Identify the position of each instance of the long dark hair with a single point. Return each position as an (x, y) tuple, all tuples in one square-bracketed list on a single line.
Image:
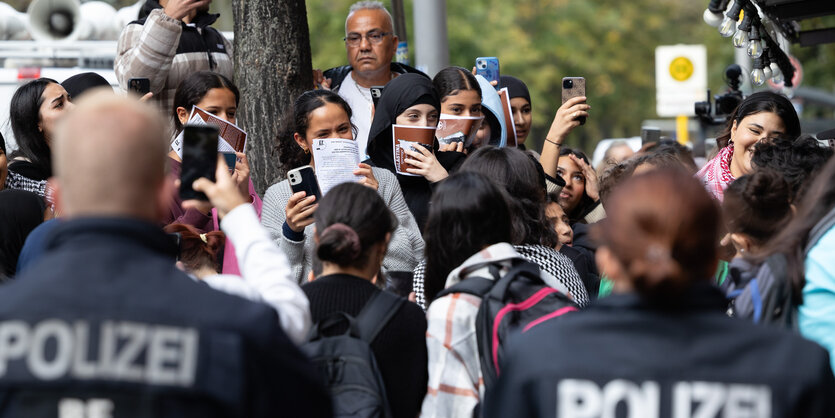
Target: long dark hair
[(468, 212), (451, 80), (24, 115), (349, 220), (289, 153), (586, 203), (517, 174), (764, 101), (194, 88), (818, 200)]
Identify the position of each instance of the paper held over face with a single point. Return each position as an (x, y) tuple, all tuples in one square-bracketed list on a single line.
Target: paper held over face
[(504, 95), (231, 138), (405, 138), (335, 160), (453, 128)]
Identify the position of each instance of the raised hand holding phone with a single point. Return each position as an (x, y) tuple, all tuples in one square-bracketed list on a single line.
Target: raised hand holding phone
[(223, 194), (574, 87)]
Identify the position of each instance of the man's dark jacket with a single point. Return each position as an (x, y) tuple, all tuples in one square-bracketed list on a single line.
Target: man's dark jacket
[(338, 74)]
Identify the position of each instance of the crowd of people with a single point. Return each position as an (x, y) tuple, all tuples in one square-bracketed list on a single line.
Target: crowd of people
[(483, 280)]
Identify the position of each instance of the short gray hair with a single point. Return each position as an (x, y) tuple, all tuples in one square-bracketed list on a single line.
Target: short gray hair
[(368, 5)]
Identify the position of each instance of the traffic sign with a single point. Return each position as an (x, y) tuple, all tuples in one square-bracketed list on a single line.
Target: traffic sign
[(680, 79)]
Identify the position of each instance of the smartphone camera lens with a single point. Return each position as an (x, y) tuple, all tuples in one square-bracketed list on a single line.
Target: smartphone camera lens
[(482, 65), (567, 84)]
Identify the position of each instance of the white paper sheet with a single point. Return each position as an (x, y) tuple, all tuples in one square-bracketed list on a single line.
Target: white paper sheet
[(335, 160)]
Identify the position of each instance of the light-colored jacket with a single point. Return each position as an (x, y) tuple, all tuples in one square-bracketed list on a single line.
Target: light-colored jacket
[(265, 273), (150, 50), (455, 381), (405, 248)]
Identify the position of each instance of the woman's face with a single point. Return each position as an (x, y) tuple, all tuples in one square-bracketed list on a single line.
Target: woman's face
[(328, 121), (520, 108), (419, 115), (221, 103), (575, 183), (557, 215), (56, 101), (218, 101), (754, 128), (462, 103), (482, 136)]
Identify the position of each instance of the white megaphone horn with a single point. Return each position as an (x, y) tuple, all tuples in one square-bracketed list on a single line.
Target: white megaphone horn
[(12, 23), (69, 20)]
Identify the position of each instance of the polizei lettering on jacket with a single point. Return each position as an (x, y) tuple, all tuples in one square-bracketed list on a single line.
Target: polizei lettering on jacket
[(586, 399), (123, 351)]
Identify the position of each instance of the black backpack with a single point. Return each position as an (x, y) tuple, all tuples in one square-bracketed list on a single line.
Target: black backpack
[(512, 303), (347, 362)]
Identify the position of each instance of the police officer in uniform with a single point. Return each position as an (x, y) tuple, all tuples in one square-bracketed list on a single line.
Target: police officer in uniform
[(661, 344), (106, 325)]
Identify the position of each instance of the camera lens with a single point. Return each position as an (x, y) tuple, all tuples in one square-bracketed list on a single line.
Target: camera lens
[(567, 84)]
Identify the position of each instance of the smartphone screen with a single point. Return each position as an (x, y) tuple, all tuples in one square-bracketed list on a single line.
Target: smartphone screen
[(487, 67), (574, 87), (199, 158), (140, 85)]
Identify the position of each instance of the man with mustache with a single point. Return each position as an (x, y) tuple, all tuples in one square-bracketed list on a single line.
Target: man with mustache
[(371, 44)]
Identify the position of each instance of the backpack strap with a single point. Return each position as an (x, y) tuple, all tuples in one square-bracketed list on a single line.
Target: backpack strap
[(376, 313), (476, 286), (821, 228)]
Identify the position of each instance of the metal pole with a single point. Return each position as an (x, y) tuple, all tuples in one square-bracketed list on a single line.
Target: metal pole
[(431, 48)]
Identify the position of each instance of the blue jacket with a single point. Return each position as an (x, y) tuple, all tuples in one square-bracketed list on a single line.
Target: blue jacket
[(626, 357), (106, 321)]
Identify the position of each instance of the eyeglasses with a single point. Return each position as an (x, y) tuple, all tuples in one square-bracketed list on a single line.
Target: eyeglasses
[(354, 39)]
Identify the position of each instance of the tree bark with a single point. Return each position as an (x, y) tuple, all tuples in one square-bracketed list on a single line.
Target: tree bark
[(272, 68)]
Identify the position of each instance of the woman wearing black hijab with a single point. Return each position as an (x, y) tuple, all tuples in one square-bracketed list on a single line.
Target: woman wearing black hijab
[(20, 213), (410, 99), (520, 107)]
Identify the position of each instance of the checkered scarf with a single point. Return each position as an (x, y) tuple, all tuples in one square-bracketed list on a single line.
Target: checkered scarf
[(716, 174)]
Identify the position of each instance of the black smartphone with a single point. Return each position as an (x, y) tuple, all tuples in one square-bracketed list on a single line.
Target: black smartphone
[(574, 87), (303, 179), (139, 85), (376, 93), (177, 238), (199, 158)]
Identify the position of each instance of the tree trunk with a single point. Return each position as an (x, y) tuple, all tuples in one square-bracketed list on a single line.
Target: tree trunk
[(272, 68)]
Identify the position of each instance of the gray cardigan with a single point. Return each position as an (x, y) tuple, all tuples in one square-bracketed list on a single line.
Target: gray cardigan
[(405, 248)]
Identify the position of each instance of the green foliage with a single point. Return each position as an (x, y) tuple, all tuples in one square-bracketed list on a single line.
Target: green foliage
[(609, 42)]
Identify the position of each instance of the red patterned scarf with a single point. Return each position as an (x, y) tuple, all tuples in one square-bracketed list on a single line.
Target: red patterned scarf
[(716, 174)]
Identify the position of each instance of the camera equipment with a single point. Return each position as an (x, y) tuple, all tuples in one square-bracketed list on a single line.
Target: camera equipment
[(567, 84), (715, 110)]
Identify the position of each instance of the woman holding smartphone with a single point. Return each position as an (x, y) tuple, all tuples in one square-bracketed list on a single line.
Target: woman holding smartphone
[(217, 95), (410, 99), (321, 114)]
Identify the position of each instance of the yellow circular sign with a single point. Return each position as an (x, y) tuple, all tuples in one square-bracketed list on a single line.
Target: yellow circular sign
[(681, 68)]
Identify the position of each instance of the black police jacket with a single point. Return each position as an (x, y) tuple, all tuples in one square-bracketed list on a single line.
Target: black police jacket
[(625, 357), (105, 325)]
